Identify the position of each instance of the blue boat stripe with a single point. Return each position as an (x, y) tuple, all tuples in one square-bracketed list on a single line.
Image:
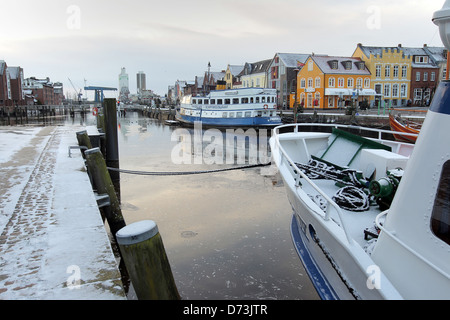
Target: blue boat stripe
[(320, 283), (441, 99)]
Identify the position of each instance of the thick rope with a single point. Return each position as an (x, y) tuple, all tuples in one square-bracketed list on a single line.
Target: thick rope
[(183, 173)]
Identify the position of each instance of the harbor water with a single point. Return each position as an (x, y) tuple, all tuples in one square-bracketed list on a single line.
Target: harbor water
[(226, 233)]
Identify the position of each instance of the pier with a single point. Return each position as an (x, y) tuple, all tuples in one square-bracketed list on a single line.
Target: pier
[(53, 241)]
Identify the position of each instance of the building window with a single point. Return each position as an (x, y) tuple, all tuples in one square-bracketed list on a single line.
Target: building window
[(317, 82), (387, 71), (433, 76), (378, 88), (387, 90), (331, 82), (421, 59), (341, 82), (395, 90), (404, 72), (417, 94), (317, 99), (366, 83), (425, 76), (440, 216), (359, 83), (310, 83), (378, 71), (417, 76), (309, 101), (395, 72), (303, 83), (350, 83), (310, 65), (403, 90)]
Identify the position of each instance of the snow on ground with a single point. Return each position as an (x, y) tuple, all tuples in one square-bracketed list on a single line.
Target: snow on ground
[(53, 242)]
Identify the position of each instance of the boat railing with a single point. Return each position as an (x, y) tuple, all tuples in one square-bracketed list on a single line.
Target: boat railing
[(297, 173)]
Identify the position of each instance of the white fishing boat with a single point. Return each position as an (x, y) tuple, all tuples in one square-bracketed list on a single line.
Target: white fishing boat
[(372, 216), (247, 107)]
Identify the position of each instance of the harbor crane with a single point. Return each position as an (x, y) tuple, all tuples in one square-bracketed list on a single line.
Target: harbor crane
[(79, 94)]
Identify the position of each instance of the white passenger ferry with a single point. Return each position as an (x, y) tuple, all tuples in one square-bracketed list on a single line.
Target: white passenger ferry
[(247, 107)]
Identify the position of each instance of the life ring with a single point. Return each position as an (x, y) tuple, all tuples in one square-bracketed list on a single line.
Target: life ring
[(95, 111), (266, 106)]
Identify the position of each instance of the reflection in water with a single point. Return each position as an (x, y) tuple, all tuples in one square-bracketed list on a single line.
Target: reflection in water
[(226, 234)]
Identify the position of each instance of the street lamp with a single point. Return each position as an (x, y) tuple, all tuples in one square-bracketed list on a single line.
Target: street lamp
[(295, 94)]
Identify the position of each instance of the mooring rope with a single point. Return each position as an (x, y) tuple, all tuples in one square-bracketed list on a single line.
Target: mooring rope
[(183, 173)]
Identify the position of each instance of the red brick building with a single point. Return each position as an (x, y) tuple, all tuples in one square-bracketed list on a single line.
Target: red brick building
[(5, 85), (16, 81)]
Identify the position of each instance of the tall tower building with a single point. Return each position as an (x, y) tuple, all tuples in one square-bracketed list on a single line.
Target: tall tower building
[(124, 84), (140, 80)]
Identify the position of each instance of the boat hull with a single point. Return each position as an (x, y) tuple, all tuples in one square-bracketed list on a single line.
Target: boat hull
[(397, 126), (231, 122)]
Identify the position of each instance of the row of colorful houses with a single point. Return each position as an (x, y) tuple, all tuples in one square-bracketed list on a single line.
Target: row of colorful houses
[(15, 90), (371, 76)]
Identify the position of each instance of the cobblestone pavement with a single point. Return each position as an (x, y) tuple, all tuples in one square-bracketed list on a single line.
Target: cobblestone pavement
[(35, 251)]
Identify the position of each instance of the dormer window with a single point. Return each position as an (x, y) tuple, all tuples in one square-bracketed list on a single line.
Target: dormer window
[(421, 59), (360, 65), (347, 65), (333, 64)]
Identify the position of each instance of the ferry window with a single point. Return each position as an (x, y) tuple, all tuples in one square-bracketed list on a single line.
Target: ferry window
[(257, 99), (238, 114), (227, 101), (231, 114), (219, 101), (199, 101), (259, 114), (236, 101), (194, 101), (251, 100), (263, 99), (244, 100), (224, 115), (248, 114), (212, 101), (440, 216), (206, 101)]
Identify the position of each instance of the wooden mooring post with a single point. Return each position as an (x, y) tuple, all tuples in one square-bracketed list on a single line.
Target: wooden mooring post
[(146, 261), (112, 144), (102, 180), (83, 141)]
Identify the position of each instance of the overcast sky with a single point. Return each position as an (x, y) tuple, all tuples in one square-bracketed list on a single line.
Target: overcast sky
[(170, 40)]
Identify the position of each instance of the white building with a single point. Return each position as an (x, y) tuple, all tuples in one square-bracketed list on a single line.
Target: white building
[(124, 84)]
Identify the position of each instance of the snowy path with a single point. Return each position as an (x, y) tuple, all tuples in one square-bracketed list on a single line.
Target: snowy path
[(52, 241)]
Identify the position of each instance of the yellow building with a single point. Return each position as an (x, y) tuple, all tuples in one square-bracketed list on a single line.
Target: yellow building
[(391, 74), (332, 82), (231, 76), (254, 75)]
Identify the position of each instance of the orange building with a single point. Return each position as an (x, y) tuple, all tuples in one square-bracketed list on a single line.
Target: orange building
[(333, 82)]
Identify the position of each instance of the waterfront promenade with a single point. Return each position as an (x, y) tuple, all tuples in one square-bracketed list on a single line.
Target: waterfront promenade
[(53, 243)]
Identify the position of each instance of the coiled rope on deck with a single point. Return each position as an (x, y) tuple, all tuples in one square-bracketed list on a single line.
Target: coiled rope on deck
[(183, 173)]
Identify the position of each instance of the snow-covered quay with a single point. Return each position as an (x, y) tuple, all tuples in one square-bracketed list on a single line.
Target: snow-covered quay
[(53, 243)]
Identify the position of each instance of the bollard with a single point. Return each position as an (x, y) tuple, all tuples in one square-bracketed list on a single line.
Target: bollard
[(102, 180), (83, 141), (145, 258)]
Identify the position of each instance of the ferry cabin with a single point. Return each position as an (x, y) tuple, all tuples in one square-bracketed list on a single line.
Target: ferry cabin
[(238, 107)]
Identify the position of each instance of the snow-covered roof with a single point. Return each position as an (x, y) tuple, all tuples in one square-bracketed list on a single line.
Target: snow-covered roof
[(14, 72), (325, 64), (2, 66), (235, 69), (292, 60)]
